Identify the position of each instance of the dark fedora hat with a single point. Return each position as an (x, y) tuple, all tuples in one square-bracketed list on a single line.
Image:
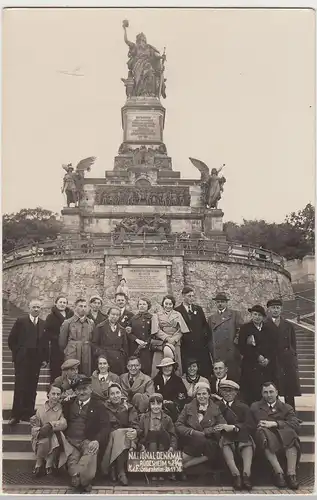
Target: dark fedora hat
[(274, 302), (221, 296), (257, 308)]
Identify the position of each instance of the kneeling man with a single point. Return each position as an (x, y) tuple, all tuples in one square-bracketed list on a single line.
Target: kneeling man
[(236, 434), (277, 430), (88, 430), (136, 386)]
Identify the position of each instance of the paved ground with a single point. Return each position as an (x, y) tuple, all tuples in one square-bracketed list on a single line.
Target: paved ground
[(117, 490)]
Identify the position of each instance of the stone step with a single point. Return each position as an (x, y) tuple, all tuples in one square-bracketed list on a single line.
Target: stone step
[(306, 374), (307, 389), (9, 386), (308, 381), (9, 378)]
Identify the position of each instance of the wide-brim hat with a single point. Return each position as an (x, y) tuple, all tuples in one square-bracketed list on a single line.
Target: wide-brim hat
[(169, 351), (228, 384), (70, 363), (80, 381), (257, 308), (166, 362), (95, 297), (274, 302), (221, 296)]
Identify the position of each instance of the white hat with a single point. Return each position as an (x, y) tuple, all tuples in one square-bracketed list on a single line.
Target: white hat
[(201, 385), (229, 384), (166, 362), (169, 351)]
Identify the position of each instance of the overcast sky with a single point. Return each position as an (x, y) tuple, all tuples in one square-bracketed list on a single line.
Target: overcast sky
[(240, 91)]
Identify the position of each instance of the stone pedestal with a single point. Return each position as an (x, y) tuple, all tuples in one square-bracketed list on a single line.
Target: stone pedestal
[(143, 121), (71, 220), (213, 223)]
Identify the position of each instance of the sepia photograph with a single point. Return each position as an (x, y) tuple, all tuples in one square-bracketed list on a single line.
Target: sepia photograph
[(158, 246)]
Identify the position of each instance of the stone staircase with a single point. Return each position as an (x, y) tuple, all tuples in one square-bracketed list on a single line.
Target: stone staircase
[(18, 458)]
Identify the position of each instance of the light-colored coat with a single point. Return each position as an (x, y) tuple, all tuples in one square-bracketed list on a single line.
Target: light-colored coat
[(75, 340), (140, 392)]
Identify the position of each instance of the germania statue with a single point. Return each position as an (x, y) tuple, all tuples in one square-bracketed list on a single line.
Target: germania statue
[(146, 67)]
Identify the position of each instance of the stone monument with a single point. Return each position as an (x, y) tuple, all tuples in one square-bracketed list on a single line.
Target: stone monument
[(142, 196)]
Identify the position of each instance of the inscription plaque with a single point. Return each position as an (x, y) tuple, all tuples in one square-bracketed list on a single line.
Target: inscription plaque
[(146, 279), (143, 127), (158, 461)]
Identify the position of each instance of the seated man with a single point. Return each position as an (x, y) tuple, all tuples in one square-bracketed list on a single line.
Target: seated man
[(136, 386), (220, 370), (277, 430), (66, 379), (236, 434), (88, 430)]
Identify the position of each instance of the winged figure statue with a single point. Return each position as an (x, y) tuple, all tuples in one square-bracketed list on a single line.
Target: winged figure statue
[(73, 182), (211, 183)]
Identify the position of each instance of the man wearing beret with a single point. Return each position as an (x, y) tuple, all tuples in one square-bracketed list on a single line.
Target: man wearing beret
[(88, 430), (257, 344), (287, 366), (237, 434), (194, 344), (224, 325)]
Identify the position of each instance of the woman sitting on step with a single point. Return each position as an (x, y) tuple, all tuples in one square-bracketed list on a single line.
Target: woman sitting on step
[(48, 440)]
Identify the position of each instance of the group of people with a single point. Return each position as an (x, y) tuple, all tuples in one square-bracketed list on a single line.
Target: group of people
[(163, 381)]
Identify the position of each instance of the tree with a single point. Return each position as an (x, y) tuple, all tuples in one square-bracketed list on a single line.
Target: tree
[(293, 239), (29, 226)]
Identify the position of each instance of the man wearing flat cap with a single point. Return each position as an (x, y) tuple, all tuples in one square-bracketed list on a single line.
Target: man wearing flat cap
[(194, 344), (95, 305), (88, 430), (287, 365), (237, 434), (257, 345), (224, 326), (65, 381)]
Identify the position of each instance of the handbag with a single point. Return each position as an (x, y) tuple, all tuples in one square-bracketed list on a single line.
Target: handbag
[(156, 345)]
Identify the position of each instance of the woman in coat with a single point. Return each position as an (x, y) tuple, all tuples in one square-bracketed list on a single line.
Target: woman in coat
[(198, 427), (102, 378), (192, 377), (55, 319), (257, 345), (171, 386), (110, 339), (168, 326), (124, 425), (139, 335), (95, 305), (46, 435)]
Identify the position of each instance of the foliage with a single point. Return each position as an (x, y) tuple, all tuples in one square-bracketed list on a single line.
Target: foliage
[(28, 226), (293, 239)]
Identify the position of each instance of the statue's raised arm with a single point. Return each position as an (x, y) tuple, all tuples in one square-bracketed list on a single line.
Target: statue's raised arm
[(125, 25)]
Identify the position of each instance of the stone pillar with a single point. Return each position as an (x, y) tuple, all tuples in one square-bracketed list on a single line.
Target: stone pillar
[(71, 221), (143, 121), (213, 223)]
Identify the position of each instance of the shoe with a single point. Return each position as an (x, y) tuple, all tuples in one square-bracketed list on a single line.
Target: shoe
[(247, 482), (236, 483), (75, 481), (87, 488), (13, 421), (279, 480), (292, 481), (38, 471), (122, 477), (182, 476), (51, 471)]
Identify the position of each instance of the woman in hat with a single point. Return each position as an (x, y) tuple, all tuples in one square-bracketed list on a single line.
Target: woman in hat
[(124, 426), (47, 437), (139, 338), (102, 378), (171, 386), (197, 429), (236, 434), (192, 377), (60, 311), (95, 313), (168, 325), (257, 345)]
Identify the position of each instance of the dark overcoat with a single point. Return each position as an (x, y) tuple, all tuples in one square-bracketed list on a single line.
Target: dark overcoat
[(113, 344), (174, 390), (99, 319), (52, 327), (238, 414), (125, 318), (194, 344), (287, 364), (141, 329), (253, 375), (288, 424)]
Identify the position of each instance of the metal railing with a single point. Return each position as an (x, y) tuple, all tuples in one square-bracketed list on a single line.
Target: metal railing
[(73, 247)]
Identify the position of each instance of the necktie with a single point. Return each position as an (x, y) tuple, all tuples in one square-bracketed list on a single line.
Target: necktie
[(272, 407), (81, 404), (190, 310), (102, 379), (131, 381)]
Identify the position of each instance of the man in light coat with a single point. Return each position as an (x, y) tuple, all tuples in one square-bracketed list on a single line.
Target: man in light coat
[(224, 325), (137, 386)]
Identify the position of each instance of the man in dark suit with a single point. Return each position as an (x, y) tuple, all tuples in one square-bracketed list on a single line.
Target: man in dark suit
[(194, 344), (286, 363), (224, 326), (277, 430), (125, 315), (29, 352), (88, 430), (221, 372)]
